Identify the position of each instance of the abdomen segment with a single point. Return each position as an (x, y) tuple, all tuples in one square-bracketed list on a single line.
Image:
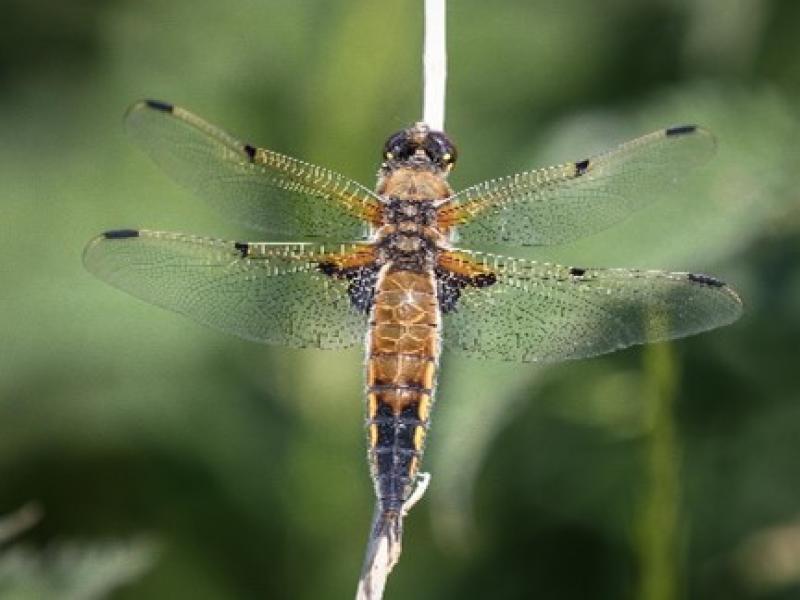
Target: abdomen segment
[(402, 357)]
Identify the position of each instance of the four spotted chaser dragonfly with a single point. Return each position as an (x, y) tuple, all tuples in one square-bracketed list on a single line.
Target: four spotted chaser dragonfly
[(384, 271)]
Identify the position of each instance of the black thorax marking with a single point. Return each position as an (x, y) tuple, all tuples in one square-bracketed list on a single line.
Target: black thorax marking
[(361, 283), (404, 239), (449, 286)]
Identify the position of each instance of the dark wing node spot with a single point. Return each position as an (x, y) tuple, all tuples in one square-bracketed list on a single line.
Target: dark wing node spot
[(705, 279), (250, 151), (243, 248), (159, 105), (581, 167), (121, 234), (362, 283), (681, 130), (577, 271)]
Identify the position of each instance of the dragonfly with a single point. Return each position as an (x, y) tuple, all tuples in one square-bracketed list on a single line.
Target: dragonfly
[(381, 268)]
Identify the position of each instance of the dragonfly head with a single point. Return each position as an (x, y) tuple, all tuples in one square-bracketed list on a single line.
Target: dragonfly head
[(419, 147)]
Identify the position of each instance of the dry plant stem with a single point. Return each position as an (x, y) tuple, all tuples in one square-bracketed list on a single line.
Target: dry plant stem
[(385, 545), (385, 540), (435, 64), (377, 563)]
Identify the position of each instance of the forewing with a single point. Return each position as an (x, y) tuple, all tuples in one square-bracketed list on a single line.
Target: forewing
[(255, 187), (542, 312), (272, 293), (563, 203)]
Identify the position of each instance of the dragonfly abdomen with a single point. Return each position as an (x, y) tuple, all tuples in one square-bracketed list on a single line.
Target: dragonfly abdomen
[(402, 358)]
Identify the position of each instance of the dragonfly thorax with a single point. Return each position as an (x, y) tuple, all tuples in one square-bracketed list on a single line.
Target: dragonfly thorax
[(407, 246), (403, 212), (409, 236)]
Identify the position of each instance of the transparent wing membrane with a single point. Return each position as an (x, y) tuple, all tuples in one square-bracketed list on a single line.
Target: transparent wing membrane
[(569, 201), (252, 186), (273, 293), (543, 312), (312, 295)]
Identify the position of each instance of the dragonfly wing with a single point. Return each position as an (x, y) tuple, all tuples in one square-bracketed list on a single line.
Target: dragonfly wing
[(563, 203), (273, 293), (253, 186), (522, 310)]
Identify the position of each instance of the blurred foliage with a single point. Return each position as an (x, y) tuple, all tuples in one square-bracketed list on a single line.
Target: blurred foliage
[(65, 570), (652, 474)]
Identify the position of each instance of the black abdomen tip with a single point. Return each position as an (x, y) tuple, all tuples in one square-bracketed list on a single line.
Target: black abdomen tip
[(705, 279), (581, 167), (159, 105), (121, 234), (681, 130)]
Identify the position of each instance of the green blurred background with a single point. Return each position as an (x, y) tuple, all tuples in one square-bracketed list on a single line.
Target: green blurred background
[(171, 461)]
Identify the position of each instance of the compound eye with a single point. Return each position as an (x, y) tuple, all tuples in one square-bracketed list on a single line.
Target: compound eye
[(451, 156), (440, 149), (397, 147)]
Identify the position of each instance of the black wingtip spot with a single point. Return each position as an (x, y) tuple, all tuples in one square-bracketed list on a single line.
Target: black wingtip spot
[(577, 271), (581, 167), (250, 151), (243, 248), (681, 130), (705, 280), (121, 234), (159, 105)]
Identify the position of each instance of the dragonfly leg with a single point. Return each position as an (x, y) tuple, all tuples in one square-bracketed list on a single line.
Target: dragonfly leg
[(420, 485)]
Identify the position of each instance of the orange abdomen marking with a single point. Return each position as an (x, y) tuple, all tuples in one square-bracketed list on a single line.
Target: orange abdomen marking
[(402, 357)]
